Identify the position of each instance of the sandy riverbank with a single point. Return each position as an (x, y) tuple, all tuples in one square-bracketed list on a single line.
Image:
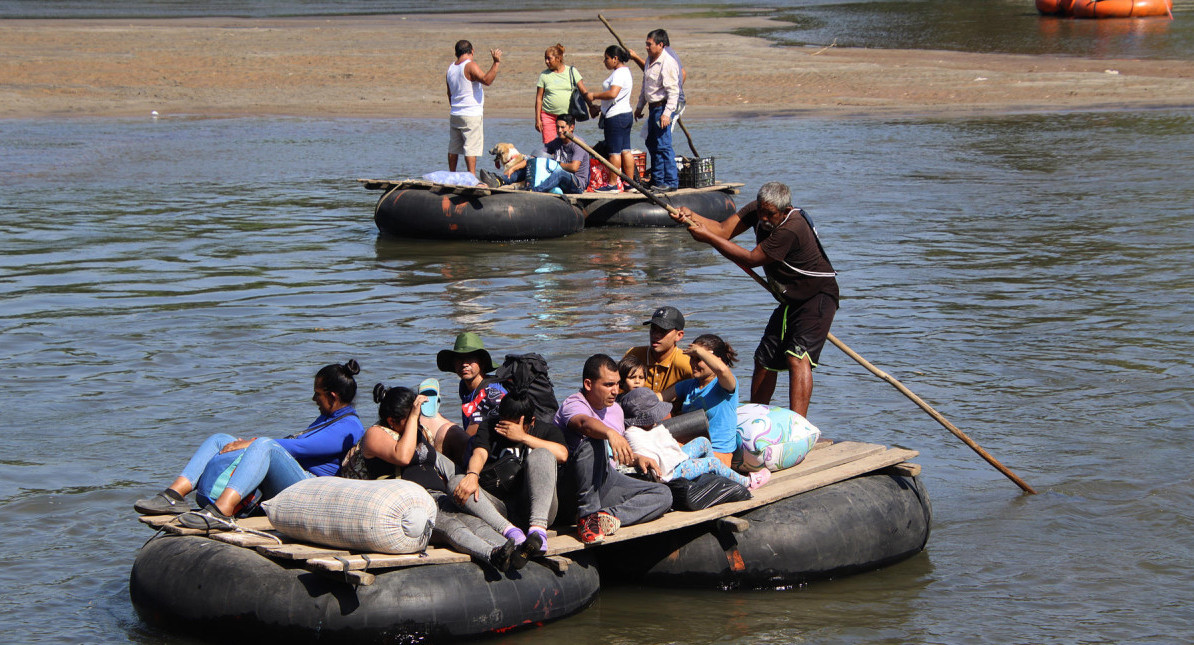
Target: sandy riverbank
[(392, 66)]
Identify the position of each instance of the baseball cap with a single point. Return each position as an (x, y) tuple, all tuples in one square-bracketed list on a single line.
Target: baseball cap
[(667, 318)]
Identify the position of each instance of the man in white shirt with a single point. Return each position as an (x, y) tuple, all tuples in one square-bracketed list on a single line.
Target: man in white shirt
[(466, 94), (660, 93)]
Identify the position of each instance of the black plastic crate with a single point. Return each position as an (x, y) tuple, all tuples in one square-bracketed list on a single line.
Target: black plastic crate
[(697, 172)]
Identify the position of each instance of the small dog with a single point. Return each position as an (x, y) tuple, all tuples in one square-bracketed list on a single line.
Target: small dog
[(507, 157)]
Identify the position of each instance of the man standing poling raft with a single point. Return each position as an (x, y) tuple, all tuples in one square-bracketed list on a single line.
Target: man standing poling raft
[(800, 277)]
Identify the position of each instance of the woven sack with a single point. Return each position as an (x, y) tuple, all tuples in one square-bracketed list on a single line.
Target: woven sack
[(379, 516)]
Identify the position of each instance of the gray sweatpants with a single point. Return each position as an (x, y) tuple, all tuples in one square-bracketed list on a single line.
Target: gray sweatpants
[(601, 488), (535, 504), (463, 532)]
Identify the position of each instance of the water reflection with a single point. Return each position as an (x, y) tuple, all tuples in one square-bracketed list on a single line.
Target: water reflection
[(810, 613), (1106, 38), (585, 286)]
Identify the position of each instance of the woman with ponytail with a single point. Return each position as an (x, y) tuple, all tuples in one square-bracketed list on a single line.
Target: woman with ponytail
[(398, 446), (617, 116), (713, 389), (227, 472)]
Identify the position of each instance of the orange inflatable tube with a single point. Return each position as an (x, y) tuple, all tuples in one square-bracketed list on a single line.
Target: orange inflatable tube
[(1105, 8), (1054, 7)]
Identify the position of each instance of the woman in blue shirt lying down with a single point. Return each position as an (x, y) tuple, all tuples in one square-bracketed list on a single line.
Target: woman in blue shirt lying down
[(227, 472)]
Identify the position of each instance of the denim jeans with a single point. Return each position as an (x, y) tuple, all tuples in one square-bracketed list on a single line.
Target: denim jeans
[(264, 464), (659, 144), (565, 180)]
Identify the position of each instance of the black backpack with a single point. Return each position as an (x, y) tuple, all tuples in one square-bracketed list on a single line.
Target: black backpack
[(528, 373)]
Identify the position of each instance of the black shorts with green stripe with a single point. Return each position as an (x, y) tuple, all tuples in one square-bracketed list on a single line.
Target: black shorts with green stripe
[(796, 329)]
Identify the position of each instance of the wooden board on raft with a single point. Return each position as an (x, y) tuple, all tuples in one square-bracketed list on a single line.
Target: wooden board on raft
[(581, 199), (826, 464)]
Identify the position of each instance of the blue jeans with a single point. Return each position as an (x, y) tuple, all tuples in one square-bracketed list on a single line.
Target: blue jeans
[(659, 144), (565, 180), (264, 464), (515, 176), (617, 132)]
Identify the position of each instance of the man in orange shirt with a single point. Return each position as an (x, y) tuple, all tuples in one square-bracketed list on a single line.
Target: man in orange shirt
[(665, 363)]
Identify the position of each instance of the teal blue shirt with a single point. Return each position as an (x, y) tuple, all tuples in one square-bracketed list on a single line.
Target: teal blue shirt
[(720, 406)]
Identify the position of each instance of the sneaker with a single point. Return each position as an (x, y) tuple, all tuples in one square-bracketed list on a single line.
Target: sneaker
[(759, 478), (536, 544), (518, 559), (588, 529), (608, 523), (488, 178), (166, 502), (208, 519), (500, 556)]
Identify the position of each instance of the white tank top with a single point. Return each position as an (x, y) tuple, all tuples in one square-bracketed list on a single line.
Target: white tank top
[(468, 97)]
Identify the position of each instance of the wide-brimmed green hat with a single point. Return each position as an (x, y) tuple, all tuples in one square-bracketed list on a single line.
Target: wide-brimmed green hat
[(467, 343)]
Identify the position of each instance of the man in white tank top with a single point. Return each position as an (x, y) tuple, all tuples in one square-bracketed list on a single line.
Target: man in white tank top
[(467, 97)]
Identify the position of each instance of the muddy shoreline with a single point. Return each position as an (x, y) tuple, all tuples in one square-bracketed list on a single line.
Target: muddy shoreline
[(393, 66)]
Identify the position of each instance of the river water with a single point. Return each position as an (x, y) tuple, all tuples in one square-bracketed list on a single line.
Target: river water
[(1027, 275)]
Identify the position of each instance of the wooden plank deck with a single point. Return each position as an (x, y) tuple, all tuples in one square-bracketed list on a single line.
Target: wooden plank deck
[(579, 200), (825, 465)]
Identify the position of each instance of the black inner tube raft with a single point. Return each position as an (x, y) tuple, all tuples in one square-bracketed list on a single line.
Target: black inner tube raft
[(235, 594), (713, 204), (852, 526), (439, 212)]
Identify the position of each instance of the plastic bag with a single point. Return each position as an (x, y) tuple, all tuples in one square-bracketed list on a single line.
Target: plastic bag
[(707, 490)]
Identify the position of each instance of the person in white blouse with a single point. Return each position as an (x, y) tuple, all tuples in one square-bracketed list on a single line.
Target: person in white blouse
[(617, 117)]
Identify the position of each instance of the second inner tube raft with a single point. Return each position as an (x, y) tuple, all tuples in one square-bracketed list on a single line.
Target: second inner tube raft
[(425, 210), (847, 527), (634, 210)]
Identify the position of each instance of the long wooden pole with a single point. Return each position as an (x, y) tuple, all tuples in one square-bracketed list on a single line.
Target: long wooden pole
[(652, 197), (622, 44), (937, 416)]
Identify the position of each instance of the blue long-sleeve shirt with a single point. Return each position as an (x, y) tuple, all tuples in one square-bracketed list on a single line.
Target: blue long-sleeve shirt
[(319, 451)]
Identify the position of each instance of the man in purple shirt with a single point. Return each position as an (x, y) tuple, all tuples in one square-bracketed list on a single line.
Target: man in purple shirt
[(606, 499)]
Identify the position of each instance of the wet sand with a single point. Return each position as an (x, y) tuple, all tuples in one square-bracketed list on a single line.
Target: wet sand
[(393, 66)]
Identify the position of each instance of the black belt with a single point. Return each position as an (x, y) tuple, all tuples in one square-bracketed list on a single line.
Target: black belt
[(658, 104)]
